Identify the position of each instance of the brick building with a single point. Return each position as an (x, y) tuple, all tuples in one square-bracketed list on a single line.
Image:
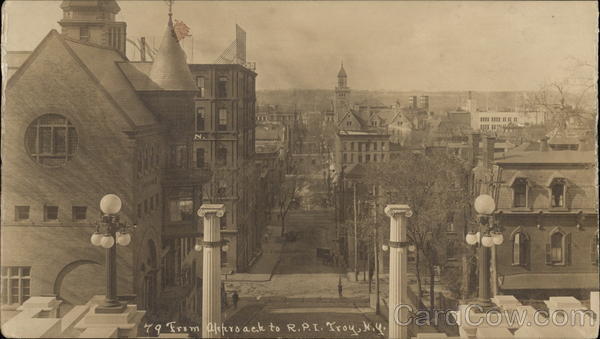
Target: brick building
[(85, 121), (547, 206)]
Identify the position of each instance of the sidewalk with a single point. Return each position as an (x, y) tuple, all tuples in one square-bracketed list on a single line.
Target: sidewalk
[(263, 268)]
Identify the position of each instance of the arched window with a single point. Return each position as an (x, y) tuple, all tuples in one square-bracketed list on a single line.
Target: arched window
[(558, 248), (520, 249)]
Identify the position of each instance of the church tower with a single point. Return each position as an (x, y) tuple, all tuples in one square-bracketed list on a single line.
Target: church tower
[(342, 95), (94, 21)]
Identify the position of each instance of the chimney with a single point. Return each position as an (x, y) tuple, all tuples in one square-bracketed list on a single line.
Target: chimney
[(475, 139), (488, 151), (544, 144)]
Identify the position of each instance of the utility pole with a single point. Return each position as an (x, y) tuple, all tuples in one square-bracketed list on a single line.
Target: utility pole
[(355, 237), (376, 247)]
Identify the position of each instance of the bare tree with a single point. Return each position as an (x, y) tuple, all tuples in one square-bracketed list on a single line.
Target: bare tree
[(434, 186), (570, 100), (289, 196)]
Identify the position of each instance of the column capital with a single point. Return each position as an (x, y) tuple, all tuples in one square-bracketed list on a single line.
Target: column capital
[(394, 210), (218, 209)]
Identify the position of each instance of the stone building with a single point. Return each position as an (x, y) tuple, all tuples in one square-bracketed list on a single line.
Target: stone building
[(86, 121), (547, 208)]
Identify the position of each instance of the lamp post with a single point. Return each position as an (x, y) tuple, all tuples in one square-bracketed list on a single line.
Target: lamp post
[(484, 239), (398, 315), (108, 232)]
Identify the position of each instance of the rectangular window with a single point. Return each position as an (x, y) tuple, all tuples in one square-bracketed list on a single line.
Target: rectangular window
[(222, 126), (79, 212), (222, 87), (84, 33), (199, 157), (367, 158), (200, 118), (375, 157), (16, 284), (520, 193), (345, 158), (200, 85), (21, 213), (50, 213), (221, 157), (179, 156), (181, 209)]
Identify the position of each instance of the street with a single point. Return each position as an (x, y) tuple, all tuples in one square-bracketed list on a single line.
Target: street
[(302, 297)]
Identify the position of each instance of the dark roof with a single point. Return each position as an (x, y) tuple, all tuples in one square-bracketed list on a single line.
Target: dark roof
[(548, 157), (170, 70), (103, 62)]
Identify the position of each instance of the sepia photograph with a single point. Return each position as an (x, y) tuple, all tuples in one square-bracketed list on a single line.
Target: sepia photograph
[(299, 169)]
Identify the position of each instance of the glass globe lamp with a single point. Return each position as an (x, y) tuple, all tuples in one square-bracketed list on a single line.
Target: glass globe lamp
[(110, 204), (487, 241), (411, 248), (198, 248), (471, 238), (485, 204), (498, 238), (225, 247), (107, 241), (123, 239), (96, 239), (385, 247)]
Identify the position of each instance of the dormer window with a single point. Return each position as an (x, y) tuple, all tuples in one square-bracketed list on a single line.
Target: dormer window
[(558, 190), (520, 191)]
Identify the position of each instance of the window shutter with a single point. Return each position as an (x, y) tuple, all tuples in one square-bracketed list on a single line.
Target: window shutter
[(548, 255), (567, 249)]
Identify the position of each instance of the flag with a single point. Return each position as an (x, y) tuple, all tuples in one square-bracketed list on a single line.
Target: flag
[(181, 30)]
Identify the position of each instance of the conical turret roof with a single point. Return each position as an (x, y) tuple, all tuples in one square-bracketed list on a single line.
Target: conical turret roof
[(170, 70), (342, 72)]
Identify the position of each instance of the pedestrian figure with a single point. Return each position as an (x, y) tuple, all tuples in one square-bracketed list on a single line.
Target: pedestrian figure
[(235, 297), (340, 286)]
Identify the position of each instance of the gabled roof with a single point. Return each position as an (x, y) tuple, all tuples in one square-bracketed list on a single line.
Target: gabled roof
[(170, 70), (100, 63)]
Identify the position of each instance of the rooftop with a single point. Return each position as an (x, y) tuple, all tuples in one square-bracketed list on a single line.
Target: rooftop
[(549, 157)]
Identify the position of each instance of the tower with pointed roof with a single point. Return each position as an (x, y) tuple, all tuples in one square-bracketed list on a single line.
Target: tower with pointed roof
[(94, 21), (342, 95)]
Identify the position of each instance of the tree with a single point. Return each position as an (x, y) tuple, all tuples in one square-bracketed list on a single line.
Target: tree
[(289, 196), (571, 100), (434, 186)]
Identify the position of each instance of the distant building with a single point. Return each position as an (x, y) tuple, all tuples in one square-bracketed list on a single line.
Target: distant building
[(497, 121)]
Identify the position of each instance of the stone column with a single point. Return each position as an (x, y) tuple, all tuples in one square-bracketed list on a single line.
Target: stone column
[(397, 313), (211, 275)]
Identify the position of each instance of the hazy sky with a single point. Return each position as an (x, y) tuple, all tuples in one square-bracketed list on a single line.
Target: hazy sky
[(384, 45)]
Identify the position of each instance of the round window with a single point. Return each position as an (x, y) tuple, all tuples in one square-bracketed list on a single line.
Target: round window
[(51, 140)]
